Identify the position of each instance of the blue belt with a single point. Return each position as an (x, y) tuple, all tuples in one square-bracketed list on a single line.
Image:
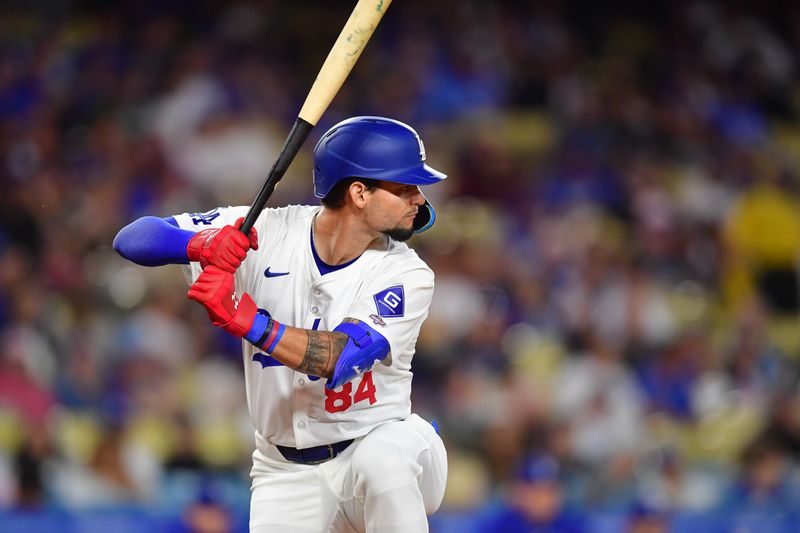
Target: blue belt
[(314, 455)]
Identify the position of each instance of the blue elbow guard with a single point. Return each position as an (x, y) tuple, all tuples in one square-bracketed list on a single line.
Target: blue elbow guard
[(364, 349)]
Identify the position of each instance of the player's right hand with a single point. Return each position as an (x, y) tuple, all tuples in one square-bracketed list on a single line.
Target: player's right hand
[(214, 290), (224, 247)]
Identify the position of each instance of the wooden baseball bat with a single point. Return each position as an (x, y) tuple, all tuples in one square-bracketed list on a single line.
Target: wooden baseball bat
[(344, 54)]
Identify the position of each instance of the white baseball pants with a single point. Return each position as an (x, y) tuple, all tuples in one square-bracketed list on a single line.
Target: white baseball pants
[(384, 482)]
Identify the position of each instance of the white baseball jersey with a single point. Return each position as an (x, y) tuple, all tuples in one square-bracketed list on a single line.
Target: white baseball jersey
[(389, 288)]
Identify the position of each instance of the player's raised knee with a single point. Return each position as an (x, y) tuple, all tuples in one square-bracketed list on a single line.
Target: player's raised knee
[(383, 467)]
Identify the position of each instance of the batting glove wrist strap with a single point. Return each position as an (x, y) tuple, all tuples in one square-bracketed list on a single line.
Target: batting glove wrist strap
[(214, 289), (265, 333), (243, 317)]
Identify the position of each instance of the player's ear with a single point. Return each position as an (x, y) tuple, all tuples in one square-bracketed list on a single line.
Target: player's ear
[(358, 194)]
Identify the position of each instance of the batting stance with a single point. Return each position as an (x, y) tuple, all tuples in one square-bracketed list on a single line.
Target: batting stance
[(329, 304)]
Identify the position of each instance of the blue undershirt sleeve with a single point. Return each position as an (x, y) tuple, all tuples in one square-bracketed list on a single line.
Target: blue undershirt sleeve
[(153, 241)]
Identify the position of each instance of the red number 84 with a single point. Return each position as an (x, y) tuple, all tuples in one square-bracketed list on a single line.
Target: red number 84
[(339, 400)]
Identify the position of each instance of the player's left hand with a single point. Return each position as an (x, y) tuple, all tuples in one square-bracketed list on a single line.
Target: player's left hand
[(225, 248), (214, 290)]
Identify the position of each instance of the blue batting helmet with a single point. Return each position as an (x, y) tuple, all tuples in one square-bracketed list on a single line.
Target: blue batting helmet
[(378, 148)]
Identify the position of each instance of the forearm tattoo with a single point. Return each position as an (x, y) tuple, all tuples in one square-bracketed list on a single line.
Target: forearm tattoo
[(320, 350)]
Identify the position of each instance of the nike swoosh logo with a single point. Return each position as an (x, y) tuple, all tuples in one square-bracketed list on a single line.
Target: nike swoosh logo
[(269, 274), (266, 360)]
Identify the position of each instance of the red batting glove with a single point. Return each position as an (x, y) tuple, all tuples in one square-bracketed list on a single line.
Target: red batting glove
[(214, 289), (226, 247)]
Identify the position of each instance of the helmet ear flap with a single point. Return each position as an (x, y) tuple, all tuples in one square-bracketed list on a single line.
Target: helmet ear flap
[(425, 218)]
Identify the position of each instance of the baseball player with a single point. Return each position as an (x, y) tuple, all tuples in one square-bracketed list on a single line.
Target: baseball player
[(329, 303)]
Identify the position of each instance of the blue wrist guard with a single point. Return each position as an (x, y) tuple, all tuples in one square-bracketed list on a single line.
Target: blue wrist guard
[(364, 349)]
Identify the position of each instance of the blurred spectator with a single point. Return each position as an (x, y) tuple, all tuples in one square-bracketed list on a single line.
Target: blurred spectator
[(117, 472), (24, 358), (648, 517), (767, 485), (207, 515), (676, 485), (534, 503), (783, 427), (184, 457), (762, 259), (759, 370), (669, 379), (601, 401), (31, 468)]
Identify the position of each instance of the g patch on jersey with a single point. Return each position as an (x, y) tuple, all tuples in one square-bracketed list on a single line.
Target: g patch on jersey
[(391, 302)]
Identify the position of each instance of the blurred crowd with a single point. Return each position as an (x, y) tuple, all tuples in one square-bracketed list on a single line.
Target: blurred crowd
[(616, 248)]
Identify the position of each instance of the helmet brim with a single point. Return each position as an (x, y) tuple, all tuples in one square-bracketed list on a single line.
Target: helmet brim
[(421, 175)]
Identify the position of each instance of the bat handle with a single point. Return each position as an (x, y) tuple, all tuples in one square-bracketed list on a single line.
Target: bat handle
[(294, 141)]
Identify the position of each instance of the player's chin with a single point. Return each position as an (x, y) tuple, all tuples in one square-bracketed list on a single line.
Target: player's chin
[(400, 233)]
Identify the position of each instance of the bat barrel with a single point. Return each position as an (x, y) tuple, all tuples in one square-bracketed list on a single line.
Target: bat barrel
[(346, 50), (297, 136)]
